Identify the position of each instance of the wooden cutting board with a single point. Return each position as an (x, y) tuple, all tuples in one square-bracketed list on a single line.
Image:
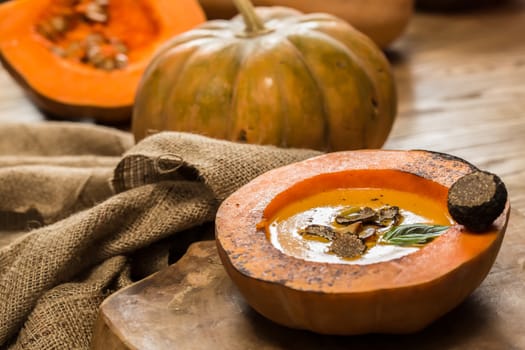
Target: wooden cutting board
[(194, 305)]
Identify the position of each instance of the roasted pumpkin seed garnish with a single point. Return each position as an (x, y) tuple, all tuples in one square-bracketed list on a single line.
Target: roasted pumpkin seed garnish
[(322, 231), (355, 228), (367, 232), (365, 214), (388, 215)]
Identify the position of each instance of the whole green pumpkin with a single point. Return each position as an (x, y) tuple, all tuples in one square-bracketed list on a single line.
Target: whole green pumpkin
[(271, 76)]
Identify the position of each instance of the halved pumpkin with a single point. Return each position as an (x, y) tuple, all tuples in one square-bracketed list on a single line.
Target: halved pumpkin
[(46, 45), (400, 295)]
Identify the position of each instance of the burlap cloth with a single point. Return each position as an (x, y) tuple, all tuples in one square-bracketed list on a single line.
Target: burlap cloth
[(98, 213)]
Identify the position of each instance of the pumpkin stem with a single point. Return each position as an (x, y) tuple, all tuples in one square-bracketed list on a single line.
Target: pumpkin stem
[(251, 20)]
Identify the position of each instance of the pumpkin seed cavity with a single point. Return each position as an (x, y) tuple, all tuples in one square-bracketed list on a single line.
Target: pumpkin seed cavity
[(94, 47)]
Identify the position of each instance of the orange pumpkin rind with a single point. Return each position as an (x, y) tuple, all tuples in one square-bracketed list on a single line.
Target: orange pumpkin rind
[(399, 296)]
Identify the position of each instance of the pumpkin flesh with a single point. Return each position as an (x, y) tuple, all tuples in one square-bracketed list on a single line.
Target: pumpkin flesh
[(402, 295), (62, 85)]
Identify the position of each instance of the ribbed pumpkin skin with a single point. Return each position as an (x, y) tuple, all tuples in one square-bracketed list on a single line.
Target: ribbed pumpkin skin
[(309, 81)]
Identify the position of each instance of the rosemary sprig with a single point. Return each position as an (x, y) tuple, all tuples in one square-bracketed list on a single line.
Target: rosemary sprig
[(412, 234)]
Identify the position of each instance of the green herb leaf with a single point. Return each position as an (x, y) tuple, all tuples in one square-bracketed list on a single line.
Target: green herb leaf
[(414, 234)]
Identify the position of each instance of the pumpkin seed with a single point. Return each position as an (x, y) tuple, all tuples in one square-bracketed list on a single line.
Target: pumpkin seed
[(349, 210), (365, 214), (93, 53), (121, 60), (318, 230), (350, 229), (95, 60), (388, 215), (59, 24), (367, 232), (96, 13)]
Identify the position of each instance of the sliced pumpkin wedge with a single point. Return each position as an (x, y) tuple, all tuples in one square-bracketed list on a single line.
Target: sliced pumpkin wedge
[(84, 58)]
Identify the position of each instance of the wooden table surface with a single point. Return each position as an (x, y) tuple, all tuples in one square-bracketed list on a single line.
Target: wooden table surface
[(461, 81)]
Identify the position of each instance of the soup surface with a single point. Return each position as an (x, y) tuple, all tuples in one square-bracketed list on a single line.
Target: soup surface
[(322, 208)]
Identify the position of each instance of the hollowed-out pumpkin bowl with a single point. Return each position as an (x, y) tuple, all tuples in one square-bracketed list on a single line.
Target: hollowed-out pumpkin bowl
[(399, 295)]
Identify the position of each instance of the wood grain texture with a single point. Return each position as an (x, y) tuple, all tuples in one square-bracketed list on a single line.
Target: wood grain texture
[(461, 83), (14, 105)]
